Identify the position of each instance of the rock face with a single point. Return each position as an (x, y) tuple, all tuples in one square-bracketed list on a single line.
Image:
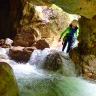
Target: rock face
[(25, 37), (84, 55), (9, 17), (8, 85), (11, 14), (39, 22), (84, 8)]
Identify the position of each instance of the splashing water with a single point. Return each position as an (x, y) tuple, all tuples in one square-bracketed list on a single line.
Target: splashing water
[(39, 82)]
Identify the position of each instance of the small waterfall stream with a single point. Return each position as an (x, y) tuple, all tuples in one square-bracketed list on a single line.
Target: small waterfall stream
[(35, 81)]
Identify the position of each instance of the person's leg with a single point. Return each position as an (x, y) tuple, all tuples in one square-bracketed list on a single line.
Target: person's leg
[(69, 46), (64, 45), (69, 43)]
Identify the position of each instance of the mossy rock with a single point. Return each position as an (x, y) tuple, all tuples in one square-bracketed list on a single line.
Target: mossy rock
[(8, 85)]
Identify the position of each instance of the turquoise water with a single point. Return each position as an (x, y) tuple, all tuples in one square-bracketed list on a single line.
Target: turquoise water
[(37, 82)]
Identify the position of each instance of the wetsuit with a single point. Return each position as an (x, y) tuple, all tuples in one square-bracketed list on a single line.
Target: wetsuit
[(70, 33)]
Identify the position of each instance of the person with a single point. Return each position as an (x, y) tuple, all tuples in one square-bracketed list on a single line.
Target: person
[(71, 32)]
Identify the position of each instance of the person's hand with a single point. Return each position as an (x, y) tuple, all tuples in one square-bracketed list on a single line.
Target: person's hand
[(59, 40)]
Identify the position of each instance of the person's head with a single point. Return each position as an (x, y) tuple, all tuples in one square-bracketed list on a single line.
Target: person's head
[(74, 22)]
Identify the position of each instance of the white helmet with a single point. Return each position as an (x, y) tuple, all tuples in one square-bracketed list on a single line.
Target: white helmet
[(74, 22)]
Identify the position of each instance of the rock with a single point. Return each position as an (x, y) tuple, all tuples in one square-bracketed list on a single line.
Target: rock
[(5, 46), (29, 49), (8, 85), (38, 13), (40, 22), (60, 63), (41, 44), (25, 37), (84, 8), (2, 41), (20, 54), (6, 43), (85, 63), (53, 61)]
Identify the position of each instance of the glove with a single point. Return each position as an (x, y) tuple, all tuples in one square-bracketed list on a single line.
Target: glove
[(59, 40)]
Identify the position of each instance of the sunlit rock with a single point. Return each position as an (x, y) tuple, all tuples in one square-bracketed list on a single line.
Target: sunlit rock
[(41, 44), (7, 43), (25, 37), (8, 85), (47, 22), (39, 13)]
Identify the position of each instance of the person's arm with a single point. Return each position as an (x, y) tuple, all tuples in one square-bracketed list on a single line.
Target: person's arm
[(64, 32)]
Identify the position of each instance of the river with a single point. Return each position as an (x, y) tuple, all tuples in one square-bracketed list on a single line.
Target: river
[(34, 81)]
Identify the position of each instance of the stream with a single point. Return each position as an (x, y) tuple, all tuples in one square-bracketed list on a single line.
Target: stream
[(35, 81)]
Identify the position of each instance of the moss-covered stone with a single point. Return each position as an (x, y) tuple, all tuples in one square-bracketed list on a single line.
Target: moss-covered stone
[(8, 85)]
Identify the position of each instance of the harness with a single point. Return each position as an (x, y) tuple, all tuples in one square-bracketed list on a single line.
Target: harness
[(70, 35)]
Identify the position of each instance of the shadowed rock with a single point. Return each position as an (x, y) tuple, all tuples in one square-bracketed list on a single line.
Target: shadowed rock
[(20, 54)]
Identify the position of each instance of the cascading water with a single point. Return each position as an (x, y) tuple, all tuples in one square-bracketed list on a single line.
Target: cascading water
[(35, 81)]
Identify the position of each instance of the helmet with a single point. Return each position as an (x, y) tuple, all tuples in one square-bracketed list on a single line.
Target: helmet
[(74, 22)]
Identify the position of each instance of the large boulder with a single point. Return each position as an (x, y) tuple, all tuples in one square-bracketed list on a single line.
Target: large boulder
[(41, 44), (53, 61), (60, 63), (84, 56), (20, 54), (8, 85), (39, 22)]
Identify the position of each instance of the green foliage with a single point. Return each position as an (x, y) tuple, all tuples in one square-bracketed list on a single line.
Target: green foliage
[(55, 7)]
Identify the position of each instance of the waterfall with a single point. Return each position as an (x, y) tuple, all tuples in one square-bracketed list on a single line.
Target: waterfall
[(38, 58), (34, 81)]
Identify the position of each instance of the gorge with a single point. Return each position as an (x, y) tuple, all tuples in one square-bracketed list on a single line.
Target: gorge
[(28, 21)]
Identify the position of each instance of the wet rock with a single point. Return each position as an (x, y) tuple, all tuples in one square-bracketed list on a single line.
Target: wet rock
[(20, 54), (53, 61), (60, 63), (84, 56), (41, 44), (8, 85), (85, 64)]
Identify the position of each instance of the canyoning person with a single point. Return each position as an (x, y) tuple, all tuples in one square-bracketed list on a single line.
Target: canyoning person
[(70, 33)]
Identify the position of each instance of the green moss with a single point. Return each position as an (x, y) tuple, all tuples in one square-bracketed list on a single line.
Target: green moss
[(7, 81)]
